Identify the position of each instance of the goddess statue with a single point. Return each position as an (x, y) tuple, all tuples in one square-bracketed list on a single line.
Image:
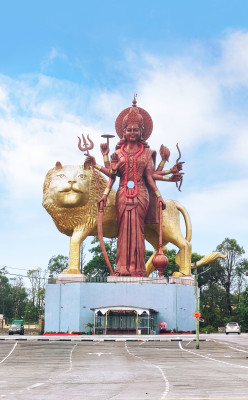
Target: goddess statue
[(137, 197)]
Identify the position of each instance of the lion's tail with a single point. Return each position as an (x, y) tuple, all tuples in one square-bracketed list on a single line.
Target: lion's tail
[(186, 220)]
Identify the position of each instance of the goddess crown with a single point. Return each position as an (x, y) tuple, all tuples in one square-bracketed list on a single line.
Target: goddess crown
[(134, 115)]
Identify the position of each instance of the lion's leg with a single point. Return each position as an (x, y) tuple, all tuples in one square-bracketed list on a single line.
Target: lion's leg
[(183, 257), (74, 254)]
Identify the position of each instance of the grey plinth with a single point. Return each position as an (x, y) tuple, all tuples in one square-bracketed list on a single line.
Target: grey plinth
[(70, 278), (68, 306), (184, 280)]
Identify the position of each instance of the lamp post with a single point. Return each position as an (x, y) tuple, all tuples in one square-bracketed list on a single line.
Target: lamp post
[(196, 313), (196, 309)]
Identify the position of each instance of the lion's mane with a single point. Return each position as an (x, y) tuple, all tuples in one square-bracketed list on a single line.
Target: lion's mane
[(69, 219)]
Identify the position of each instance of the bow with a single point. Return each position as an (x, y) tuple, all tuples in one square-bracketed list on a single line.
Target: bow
[(181, 176)]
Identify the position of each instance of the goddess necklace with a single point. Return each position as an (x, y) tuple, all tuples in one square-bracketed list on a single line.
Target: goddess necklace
[(131, 196)]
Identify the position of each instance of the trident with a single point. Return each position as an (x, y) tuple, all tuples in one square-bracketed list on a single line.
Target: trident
[(86, 148)]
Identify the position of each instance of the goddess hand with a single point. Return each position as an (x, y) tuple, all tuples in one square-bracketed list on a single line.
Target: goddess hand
[(115, 161), (164, 152), (176, 177), (102, 201), (104, 149), (90, 160), (177, 167), (160, 200)]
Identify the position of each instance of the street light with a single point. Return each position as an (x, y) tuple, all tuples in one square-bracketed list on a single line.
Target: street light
[(196, 313)]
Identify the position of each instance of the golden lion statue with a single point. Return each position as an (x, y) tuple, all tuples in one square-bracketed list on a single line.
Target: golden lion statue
[(70, 196)]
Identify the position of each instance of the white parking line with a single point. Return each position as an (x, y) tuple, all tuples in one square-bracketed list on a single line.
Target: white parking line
[(211, 359), (9, 353), (167, 385), (234, 348), (71, 356), (98, 354), (35, 385)]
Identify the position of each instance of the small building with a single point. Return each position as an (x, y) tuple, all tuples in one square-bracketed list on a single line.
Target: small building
[(124, 320)]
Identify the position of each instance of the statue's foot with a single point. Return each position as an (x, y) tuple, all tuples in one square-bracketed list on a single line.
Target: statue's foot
[(177, 274), (138, 271), (122, 271), (71, 271), (141, 274)]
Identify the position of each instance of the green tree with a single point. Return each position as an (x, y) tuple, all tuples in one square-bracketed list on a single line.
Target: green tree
[(31, 314), (37, 278), (41, 299), (213, 305), (230, 267), (97, 266), (209, 274), (19, 298), (57, 264), (241, 271), (6, 299), (242, 310)]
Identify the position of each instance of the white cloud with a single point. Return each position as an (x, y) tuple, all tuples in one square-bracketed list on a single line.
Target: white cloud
[(52, 56), (182, 105), (41, 117), (36, 131), (237, 150), (233, 66), (222, 207), (217, 212)]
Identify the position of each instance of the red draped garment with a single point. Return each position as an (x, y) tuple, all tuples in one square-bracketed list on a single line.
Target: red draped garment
[(131, 214)]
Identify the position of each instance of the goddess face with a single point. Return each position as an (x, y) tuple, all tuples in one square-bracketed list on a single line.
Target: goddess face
[(132, 133)]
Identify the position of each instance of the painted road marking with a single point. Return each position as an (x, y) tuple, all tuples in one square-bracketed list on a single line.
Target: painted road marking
[(9, 353), (234, 348), (98, 354), (167, 385), (212, 359)]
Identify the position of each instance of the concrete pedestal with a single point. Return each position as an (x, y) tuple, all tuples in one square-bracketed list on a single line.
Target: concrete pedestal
[(68, 305), (70, 278)]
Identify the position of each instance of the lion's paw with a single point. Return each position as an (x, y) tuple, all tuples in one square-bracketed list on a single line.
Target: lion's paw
[(71, 271), (177, 274)]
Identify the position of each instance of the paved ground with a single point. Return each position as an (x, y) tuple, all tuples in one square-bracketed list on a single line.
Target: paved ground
[(124, 370)]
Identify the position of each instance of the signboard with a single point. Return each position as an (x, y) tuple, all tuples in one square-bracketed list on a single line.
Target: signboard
[(196, 314)]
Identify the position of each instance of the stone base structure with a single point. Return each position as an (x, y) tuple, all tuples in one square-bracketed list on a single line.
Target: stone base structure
[(187, 280), (70, 306), (182, 280), (129, 279), (70, 278)]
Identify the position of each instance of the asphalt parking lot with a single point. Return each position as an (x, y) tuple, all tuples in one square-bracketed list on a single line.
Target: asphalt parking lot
[(127, 369)]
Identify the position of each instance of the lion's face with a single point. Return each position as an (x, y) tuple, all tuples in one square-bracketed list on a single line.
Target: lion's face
[(68, 186)]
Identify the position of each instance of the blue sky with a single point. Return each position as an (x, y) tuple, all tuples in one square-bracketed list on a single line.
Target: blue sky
[(72, 67)]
